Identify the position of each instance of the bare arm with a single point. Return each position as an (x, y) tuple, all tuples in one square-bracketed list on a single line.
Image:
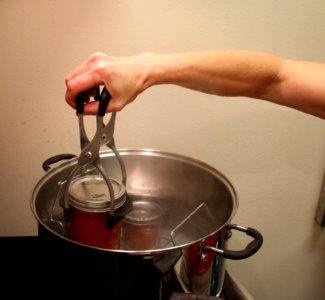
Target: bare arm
[(301, 86), (225, 72)]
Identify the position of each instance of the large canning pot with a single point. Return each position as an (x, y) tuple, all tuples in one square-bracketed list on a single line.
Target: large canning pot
[(196, 205)]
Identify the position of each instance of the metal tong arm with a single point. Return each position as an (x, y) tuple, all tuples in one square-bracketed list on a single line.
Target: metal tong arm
[(90, 149), (107, 138)]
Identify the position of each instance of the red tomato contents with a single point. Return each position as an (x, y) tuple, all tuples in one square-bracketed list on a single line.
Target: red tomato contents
[(90, 228), (141, 226), (90, 202), (140, 237)]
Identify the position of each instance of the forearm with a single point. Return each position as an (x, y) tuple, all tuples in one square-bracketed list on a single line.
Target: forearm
[(225, 73), (296, 84)]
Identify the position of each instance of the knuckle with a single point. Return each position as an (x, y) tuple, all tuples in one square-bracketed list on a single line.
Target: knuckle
[(100, 68), (99, 64), (97, 56), (70, 85)]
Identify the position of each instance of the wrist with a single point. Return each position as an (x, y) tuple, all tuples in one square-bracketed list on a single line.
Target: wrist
[(158, 69)]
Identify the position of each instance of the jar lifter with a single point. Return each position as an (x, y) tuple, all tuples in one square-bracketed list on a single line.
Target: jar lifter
[(90, 152)]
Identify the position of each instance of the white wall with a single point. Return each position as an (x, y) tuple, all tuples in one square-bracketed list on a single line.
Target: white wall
[(273, 155)]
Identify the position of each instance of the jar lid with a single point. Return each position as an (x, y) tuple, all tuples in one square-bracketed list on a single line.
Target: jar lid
[(91, 193), (143, 212)]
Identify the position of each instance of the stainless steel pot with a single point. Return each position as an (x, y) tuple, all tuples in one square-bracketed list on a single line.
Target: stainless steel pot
[(197, 202)]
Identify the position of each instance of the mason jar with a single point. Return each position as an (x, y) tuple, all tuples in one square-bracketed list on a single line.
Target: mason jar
[(141, 226), (90, 205)]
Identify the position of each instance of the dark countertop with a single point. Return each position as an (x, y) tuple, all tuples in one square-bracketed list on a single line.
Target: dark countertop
[(33, 265)]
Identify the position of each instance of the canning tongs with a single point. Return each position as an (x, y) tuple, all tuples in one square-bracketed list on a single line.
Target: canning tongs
[(104, 134), (90, 155)]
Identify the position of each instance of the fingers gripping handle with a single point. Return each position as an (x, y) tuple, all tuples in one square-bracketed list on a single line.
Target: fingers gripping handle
[(80, 101), (103, 99)]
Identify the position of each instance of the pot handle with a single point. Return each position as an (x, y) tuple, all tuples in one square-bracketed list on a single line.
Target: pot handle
[(54, 159), (250, 249)]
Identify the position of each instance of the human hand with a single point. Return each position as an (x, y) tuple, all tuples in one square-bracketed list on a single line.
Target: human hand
[(124, 78)]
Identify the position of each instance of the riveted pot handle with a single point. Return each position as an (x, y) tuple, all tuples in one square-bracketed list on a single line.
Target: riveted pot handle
[(54, 159), (250, 249)]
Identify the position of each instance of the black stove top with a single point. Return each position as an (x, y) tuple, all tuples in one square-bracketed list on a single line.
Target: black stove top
[(47, 268), (33, 265)]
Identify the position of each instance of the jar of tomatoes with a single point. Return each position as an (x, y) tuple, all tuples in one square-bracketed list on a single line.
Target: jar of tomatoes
[(141, 226), (90, 205)]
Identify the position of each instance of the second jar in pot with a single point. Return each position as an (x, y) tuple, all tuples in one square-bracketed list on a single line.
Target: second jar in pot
[(141, 226)]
